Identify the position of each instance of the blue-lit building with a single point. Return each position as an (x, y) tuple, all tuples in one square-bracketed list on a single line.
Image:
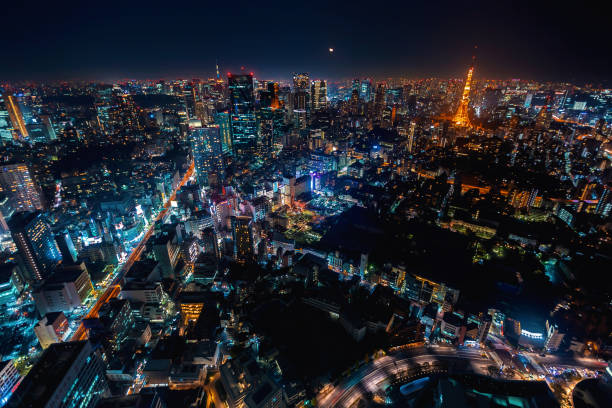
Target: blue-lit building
[(9, 377), (36, 244), (8, 289), (222, 119), (68, 375), (242, 111), (365, 92), (271, 124), (207, 149)]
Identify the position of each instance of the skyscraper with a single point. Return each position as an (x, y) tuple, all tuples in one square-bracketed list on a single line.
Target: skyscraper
[(6, 127), (68, 375), (365, 93), (461, 117), (207, 151), (16, 116), (604, 204), (223, 120), (242, 111), (301, 82), (270, 126), (411, 136), (16, 183), (242, 234), (318, 91), (35, 243)]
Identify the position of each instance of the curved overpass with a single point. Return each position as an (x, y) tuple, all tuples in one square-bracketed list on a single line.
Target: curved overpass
[(371, 377)]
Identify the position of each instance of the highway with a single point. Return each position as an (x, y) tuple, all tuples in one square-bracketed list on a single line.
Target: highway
[(114, 287), (369, 378)]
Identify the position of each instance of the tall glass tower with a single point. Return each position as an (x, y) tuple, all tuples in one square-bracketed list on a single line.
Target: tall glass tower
[(207, 149), (35, 243), (242, 111)]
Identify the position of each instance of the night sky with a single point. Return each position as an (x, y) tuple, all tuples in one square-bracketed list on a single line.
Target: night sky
[(113, 40)]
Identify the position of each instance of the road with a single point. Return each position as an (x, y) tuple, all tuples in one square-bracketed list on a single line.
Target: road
[(369, 378), (114, 287)]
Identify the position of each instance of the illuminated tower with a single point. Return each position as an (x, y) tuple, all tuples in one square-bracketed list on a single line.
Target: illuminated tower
[(318, 91), (36, 244), (242, 234), (411, 136), (242, 111), (22, 191), (301, 82), (461, 117), (207, 149), (16, 116)]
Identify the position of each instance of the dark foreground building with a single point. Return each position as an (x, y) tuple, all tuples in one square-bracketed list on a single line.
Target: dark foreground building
[(67, 375)]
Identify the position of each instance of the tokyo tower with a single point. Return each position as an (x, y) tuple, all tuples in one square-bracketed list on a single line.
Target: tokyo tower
[(461, 117)]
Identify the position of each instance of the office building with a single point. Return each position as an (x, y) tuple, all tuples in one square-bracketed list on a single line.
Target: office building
[(242, 234), (242, 111), (8, 285), (9, 377), (35, 243), (365, 91), (207, 152), (604, 204), (16, 117), (318, 92), (301, 82), (64, 291), (246, 385), (116, 319), (68, 375), (66, 247), (6, 127), (17, 184), (52, 328), (166, 250), (6, 212), (222, 119)]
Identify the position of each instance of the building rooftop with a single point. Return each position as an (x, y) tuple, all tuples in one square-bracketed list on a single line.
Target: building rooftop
[(47, 374)]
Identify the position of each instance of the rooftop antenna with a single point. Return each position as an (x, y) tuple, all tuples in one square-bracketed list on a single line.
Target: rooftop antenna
[(217, 67)]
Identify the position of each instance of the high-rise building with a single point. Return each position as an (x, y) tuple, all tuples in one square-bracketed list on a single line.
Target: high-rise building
[(211, 243), (242, 111), (207, 149), (365, 91), (16, 183), (461, 118), (242, 234), (64, 291), (46, 120), (411, 131), (6, 127), (271, 123), (379, 101), (269, 98), (66, 246), (6, 212), (35, 243), (318, 92), (68, 375), (222, 119), (301, 82), (12, 106), (9, 377), (604, 204)]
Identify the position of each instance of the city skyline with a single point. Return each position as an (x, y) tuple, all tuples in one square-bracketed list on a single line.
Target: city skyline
[(342, 210)]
